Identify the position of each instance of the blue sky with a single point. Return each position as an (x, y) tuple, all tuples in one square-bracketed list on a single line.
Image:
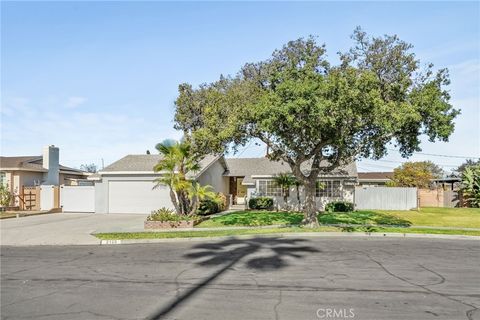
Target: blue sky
[(98, 79)]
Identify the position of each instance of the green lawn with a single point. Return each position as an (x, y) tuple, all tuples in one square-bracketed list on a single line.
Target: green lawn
[(271, 231), (436, 217)]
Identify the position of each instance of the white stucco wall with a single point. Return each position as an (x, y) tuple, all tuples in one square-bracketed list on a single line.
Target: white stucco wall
[(213, 176)]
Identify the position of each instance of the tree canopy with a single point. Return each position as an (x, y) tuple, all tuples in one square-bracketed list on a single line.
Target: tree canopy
[(308, 111), (416, 174)]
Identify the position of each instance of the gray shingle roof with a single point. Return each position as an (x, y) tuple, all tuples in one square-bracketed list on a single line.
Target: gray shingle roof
[(248, 167), (30, 162), (146, 162)]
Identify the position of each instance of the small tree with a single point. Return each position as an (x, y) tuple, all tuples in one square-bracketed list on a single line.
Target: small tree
[(471, 185), (458, 172), (414, 174), (178, 160), (5, 195), (285, 181)]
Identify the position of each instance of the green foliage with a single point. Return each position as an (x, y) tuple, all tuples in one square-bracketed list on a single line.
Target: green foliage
[(414, 174), (471, 185), (468, 163), (260, 203), (178, 160), (315, 116), (339, 206), (165, 215), (208, 206), (6, 196)]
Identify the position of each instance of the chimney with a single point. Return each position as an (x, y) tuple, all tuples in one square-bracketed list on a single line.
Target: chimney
[(51, 163)]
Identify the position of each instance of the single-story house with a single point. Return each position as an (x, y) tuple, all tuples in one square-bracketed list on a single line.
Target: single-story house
[(126, 186), (28, 171), (374, 179)]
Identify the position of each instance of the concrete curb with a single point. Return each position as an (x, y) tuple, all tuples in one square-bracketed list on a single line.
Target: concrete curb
[(296, 234)]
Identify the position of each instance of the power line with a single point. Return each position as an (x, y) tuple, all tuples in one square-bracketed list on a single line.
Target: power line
[(440, 155)]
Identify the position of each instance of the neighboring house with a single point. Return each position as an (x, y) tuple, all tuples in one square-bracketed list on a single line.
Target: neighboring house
[(374, 179), (27, 171), (126, 186)]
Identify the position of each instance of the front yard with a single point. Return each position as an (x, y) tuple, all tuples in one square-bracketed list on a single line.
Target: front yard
[(426, 221), (435, 217)]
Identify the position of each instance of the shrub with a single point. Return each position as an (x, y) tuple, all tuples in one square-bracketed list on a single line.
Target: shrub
[(5, 196), (260, 203), (208, 206), (339, 206), (222, 201), (165, 214)]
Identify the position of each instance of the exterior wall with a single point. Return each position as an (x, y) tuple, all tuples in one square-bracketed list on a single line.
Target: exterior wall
[(17, 179), (66, 179), (213, 176), (101, 196)]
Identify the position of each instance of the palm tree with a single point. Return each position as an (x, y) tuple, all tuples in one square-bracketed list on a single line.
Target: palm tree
[(284, 181), (197, 193), (471, 185), (176, 162)]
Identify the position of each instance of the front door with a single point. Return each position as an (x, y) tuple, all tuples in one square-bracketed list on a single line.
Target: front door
[(241, 191)]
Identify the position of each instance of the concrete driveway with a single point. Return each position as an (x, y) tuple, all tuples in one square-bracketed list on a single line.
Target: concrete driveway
[(65, 228), (259, 278)]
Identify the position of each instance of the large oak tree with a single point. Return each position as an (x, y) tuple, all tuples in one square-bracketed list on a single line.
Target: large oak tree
[(316, 116)]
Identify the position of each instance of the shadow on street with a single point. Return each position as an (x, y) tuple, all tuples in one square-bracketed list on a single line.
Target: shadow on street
[(227, 253)]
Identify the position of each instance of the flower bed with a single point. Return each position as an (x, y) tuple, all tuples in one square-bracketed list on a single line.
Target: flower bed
[(168, 224)]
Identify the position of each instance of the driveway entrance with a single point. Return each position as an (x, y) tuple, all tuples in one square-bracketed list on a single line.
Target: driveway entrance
[(66, 228)]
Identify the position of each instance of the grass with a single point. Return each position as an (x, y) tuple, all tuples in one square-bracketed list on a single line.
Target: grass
[(435, 217), (253, 218), (390, 221), (272, 231)]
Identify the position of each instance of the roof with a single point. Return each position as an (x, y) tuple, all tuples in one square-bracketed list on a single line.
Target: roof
[(144, 163), (33, 163), (251, 167), (375, 175)]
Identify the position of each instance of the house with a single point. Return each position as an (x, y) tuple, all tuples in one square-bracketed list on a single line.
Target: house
[(27, 171), (374, 179), (126, 186), (249, 177)]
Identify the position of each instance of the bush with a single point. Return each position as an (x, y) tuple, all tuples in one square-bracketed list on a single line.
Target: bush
[(208, 206), (5, 196), (339, 206), (165, 214), (260, 203)]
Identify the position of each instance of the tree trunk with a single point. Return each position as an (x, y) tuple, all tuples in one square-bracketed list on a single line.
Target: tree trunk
[(310, 219), (298, 198), (173, 198), (285, 199)]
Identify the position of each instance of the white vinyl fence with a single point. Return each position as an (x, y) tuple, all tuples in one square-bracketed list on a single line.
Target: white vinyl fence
[(47, 197), (385, 198), (77, 198)]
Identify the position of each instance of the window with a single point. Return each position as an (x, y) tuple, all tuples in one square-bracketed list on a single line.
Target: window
[(269, 188), (331, 189), (3, 179)]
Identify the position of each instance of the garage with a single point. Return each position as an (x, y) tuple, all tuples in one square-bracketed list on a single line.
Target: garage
[(136, 196)]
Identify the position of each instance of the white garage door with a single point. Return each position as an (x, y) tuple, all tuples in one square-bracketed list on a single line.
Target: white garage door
[(136, 197)]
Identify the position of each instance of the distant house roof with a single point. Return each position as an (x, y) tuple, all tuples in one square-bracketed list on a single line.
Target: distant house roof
[(30, 163), (375, 176), (144, 163), (256, 167)]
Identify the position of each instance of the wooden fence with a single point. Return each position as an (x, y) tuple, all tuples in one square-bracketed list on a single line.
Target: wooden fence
[(29, 198)]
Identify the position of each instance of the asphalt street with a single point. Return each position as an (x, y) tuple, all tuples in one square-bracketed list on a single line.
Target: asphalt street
[(260, 278)]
